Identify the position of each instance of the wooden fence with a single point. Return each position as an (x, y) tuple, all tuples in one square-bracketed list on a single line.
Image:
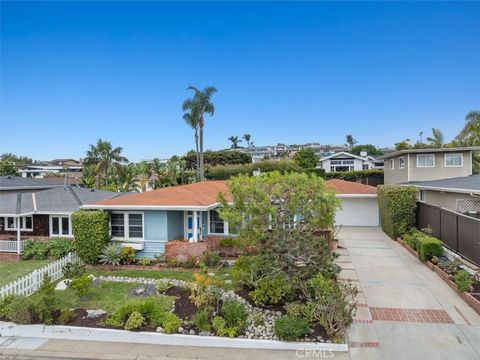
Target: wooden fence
[(459, 233), (30, 283)]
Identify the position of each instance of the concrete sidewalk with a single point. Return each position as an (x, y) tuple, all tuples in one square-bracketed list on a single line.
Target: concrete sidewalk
[(406, 311)]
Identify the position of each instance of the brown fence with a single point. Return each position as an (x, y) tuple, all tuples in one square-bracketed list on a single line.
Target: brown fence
[(459, 233)]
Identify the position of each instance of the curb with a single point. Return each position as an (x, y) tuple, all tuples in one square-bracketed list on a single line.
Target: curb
[(123, 336)]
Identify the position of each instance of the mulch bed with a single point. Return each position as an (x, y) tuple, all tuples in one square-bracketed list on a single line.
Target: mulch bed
[(184, 307), (82, 321)]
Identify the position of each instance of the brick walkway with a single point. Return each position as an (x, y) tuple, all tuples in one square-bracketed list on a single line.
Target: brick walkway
[(405, 311)]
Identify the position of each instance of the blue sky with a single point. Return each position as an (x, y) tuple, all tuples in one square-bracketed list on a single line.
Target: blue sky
[(285, 72)]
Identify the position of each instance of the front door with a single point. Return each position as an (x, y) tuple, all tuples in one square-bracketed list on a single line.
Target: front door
[(189, 225)]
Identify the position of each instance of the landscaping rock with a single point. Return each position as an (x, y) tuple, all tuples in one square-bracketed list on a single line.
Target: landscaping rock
[(192, 332), (204, 333), (96, 281), (93, 314), (160, 330), (144, 290), (62, 285)]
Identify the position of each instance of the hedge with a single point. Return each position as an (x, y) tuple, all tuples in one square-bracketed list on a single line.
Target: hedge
[(397, 205), (429, 247), (223, 157), (354, 175), (91, 231)]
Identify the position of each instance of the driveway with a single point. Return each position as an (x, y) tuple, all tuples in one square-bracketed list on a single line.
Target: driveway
[(405, 310)]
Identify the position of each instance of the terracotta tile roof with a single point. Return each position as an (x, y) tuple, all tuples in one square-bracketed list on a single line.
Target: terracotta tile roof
[(198, 194), (350, 187)]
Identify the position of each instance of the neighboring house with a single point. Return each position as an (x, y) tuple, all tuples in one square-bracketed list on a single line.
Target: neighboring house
[(344, 161), (147, 221), (56, 167), (461, 194), (427, 164), (359, 203), (44, 213)]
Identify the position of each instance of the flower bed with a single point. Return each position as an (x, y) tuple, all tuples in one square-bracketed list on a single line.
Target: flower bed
[(471, 296)]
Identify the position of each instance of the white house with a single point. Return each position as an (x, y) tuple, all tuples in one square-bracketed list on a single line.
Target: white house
[(344, 161)]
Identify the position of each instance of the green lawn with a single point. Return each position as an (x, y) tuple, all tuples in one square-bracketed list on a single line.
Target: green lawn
[(223, 274), (108, 296), (10, 271)]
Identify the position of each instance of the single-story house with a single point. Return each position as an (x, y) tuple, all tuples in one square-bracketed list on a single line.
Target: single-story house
[(460, 194), (44, 213), (147, 221), (344, 161)]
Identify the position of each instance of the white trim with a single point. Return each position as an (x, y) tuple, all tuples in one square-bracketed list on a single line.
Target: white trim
[(343, 153), (356, 196), (400, 162), (126, 227), (225, 226), (150, 207), (425, 166), (408, 167), (34, 200), (15, 223), (424, 193), (60, 225), (452, 166)]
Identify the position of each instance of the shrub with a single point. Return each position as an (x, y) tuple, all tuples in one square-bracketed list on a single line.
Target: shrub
[(60, 247), (221, 329), (463, 280), (211, 258), (397, 206), (66, 317), (135, 321), (73, 270), (410, 240), (300, 311), (224, 172), (271, 291), (46, 303), (128, 255), (291, 328), (428, 247), (145, 262), (91, 231), (234, 314), (249, 270), (163, 286), (170, 323), (7, 300), (329, 303), (111, 254), (21, 310), (201, 320), (152, 311), (354, 175), (37, 250), (81, 286)]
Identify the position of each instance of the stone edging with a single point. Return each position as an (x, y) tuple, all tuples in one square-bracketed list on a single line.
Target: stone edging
[(468, 298), (123, 336)]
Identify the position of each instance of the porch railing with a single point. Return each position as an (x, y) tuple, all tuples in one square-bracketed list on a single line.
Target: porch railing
[(11, 246)]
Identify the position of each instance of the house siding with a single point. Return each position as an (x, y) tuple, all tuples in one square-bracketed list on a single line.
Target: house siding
[(439, 171), (40, 227), (396, 175), (156, 233), (447, 200), (175, 225)]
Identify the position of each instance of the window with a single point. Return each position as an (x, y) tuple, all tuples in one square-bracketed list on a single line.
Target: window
[(126, 225), (365, 166), (392, 164), (217, 225), (336, 162), (402, 162), (421, 195), (347, 162), (60, 225), (427, 160), (26, 223), (453, 160)]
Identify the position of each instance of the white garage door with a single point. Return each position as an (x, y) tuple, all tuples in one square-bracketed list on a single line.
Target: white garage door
[(358, 212)]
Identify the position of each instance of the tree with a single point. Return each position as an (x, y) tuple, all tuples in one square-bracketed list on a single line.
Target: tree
[(369, 148), (192, 119), (350, 141), (247, 138), (272, 201), (142, 170), (306, 158), (437, 139), (7, 168), (17, 160), (234, 140), (125, 178), (470, 136), (88, 176), (201, 104), (223, 157), (403, 145), (102, 157)]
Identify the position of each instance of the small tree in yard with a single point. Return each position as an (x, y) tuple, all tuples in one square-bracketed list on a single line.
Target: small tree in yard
[(306, 158)]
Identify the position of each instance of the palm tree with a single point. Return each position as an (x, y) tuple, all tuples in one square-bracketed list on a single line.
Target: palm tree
[(437, 139), (88, 176), (470, 134), (201, 104), (403, 145), (235, 140), (125, 178), (350, 141), (102, 157), (247, 138), (142, 170), (192, 119)]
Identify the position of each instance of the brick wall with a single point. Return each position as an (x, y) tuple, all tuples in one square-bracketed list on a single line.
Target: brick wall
[(184, 250), (9, 257)]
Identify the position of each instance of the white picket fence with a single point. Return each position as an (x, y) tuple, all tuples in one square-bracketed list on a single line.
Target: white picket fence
[(11, 246), (30, 283)]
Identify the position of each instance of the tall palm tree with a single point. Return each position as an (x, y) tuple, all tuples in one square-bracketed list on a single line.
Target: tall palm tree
[(125, 178), (192, 119), (202, 103), (247, 138), (470, 134), (235, 140), (102, 157), (142, 170), (88, 176), (437, 139)]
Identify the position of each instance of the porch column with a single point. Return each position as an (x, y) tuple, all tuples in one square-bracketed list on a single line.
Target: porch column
[(195, 226), (18, 235)]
